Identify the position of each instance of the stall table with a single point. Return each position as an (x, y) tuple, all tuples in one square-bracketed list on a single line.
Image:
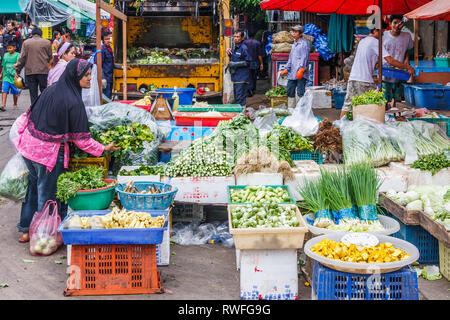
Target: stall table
[(427, 71)]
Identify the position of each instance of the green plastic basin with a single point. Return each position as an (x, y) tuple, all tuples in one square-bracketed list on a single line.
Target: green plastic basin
[(97, 199)]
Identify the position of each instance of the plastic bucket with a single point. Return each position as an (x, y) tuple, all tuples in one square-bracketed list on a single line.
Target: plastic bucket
[(339, 97), (372, 111), (98, 199), (435, 97), (185, 95)]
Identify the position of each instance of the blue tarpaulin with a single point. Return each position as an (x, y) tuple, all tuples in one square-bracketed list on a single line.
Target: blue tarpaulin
[(10, 6)]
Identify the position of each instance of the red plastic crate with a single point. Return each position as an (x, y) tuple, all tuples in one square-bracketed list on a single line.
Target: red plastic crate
[(147, 107), (113, 269), (184, 119)]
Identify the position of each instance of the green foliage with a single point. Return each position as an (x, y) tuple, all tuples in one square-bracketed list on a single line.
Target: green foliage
[(289, 139), (432, 162), (369, 97), (276, 91)]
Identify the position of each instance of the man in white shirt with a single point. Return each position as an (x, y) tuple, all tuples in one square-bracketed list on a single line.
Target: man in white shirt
[(366, 58), (397, 44)]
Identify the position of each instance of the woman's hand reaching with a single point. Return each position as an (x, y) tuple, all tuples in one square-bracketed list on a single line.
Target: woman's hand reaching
[(111, 147)]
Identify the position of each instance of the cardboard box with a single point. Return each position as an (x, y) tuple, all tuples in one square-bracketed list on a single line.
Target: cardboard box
[(163, 250), (201, 189), (269, 274), (259, 178)]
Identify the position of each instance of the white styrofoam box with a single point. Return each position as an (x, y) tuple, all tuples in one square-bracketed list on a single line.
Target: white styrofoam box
[(259, 178), (392, 179), (269, 274), (321, 99), (125, 179), (299, 182), (301, 165), (163, 250), (201, 189), (238, 259), (419, 177)]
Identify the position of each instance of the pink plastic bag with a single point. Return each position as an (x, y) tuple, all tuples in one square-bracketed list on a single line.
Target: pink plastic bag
[(44, 236)]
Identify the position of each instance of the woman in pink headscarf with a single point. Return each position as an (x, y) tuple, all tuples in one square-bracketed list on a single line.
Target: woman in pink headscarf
[(66, 53)]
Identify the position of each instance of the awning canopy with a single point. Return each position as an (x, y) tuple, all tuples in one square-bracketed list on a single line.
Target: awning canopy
[(353, 7), (434, 10), (85, 6), (10, 6)]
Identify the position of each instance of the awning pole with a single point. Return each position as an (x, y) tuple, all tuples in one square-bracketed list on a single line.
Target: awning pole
[(380, 46), (416, 42), (98, 39)]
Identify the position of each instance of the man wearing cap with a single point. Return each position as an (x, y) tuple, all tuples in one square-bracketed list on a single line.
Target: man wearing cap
[(366, 58), (239, 66), (297, 66), (35, 57)]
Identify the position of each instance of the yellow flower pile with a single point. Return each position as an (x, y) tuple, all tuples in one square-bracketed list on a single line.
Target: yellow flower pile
[(381, 253)]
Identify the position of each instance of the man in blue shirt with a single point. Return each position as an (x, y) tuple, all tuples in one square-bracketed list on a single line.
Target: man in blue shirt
[(255, 50), (297, 66), (107, 64), (239, 65)]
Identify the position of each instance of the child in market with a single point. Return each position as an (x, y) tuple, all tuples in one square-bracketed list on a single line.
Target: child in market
[(8, 74)]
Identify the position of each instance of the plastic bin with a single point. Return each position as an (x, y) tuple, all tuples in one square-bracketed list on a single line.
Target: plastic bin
[(273, 186), (435, 97), (329, 284), (147, 107), (113, 269), (396, 73), (443, 122), (97, 199), (112, 236), (213, 107), (409, 92), (444, 261), (189, 133), (135, 201), (188, 120), (339, 97), (427, 244), (185, 95), (307, 155), (442, 62)]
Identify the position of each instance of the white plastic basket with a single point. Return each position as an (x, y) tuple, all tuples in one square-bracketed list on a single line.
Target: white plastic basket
[(390, 225), (363, 268)]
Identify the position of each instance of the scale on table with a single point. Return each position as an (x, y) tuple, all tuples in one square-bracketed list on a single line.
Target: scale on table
[(161, 109)]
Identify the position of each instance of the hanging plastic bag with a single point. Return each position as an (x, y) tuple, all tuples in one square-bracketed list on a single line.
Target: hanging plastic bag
[(302, 119), (14, 179), (16, 126), (228, 91), (44, 236), (265, 124), (91, 95)]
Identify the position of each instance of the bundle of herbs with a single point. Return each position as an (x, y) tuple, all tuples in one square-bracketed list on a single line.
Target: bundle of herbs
[(315, 201), (289, 139), (432, 162), (365, 184)]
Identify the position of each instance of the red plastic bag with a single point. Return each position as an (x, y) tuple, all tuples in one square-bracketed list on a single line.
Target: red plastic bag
[(44, 236)]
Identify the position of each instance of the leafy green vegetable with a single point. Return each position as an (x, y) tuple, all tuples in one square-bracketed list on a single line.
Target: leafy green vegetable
[(276, 91), (432, 162), (259, 194), (289, 139), (369, 97), (264, 216), (143, 170), (84, 179), (130, 137)]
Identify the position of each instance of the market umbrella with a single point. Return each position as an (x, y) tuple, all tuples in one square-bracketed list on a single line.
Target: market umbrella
[(353, 7), (434, 10)]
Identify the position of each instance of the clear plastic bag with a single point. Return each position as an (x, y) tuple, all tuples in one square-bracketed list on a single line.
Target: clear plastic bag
[(302, 119), (228, 91), (91, 96), (44, 236), (16, 126), (265, 124), (14, 179), (198, 234)]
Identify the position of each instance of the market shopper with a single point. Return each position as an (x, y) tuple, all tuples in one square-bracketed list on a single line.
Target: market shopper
[(239, 67), (107, 64), (35, 57), (12, 35), (366, 58), (255, 51), (397, 44), (56, 41), (66, 52), (297, 66), (57, 117), (2, 48), (8, 74)]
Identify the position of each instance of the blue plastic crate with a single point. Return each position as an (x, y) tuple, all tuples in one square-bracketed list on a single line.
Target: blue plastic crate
[(135, 201), (409, 92), (396, 73), (339, 97), (329, 284), (435, 97), (185, 95), (112, 236), (179, 133), (307, 155), (427, 244)]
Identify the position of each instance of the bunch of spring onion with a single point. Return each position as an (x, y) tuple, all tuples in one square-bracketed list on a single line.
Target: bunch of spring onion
[(315, 201), (339, 197), (365, 184)]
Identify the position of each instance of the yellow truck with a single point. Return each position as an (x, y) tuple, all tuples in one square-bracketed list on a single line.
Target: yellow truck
[(191, 35)]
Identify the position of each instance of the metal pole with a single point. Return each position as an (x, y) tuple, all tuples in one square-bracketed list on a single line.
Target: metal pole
[(380, 46), (98, 38), (124, 40), (416, 42)]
